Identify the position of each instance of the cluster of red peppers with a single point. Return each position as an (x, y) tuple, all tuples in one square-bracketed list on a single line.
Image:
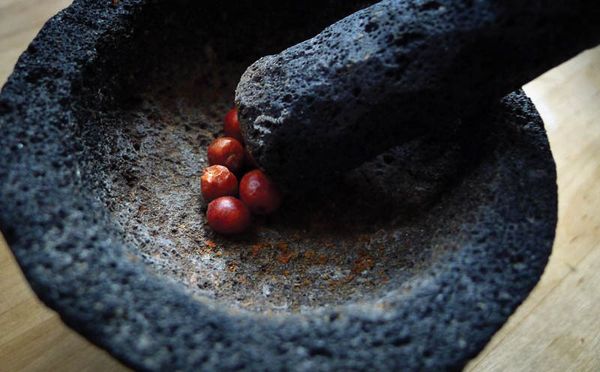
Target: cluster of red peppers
[(228, 214)]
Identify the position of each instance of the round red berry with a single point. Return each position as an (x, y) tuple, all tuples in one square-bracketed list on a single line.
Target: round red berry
[(226, 151), (217, 181), (232, 125), (259, 193), (228, 215)]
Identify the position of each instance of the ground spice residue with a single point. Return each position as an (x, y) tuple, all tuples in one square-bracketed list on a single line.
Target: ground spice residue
[(259, 247), (285, 255)]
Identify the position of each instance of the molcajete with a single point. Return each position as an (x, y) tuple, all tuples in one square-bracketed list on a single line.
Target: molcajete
[(104, 121)]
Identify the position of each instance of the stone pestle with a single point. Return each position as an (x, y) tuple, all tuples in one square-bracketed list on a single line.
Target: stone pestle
[(397, 70)]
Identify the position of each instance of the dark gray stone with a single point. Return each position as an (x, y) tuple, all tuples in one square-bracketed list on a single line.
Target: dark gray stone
[(104, 122), (397, 70)]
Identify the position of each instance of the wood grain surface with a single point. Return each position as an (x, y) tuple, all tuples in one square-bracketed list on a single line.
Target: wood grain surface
[(556, 329)]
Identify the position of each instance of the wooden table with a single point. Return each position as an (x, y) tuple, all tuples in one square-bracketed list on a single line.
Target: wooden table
[(556, 329)]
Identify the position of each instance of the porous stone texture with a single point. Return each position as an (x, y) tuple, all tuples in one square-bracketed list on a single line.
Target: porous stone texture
[(394, 71), (414, 263)]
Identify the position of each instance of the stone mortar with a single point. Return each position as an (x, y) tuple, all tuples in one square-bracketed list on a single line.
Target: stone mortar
[(416, 260), (394, 71)]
